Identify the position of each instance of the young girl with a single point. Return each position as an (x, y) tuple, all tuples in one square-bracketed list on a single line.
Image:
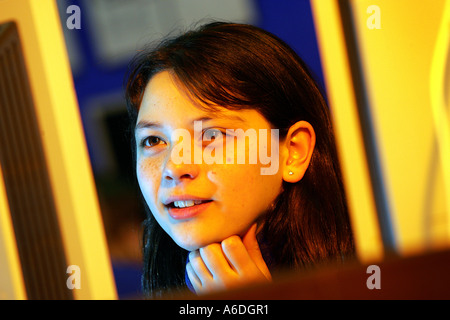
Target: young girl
[(215, 222)]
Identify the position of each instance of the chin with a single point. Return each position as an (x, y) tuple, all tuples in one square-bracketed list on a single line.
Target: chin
[(191, 243)]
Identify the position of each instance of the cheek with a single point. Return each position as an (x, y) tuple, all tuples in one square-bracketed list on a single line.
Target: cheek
[(229, 177), (243, 187), (149, 178)]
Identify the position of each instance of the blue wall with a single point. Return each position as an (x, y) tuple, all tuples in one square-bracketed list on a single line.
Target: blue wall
[(291, 20)]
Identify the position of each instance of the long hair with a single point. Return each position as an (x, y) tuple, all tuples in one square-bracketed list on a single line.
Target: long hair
[(238, 67)]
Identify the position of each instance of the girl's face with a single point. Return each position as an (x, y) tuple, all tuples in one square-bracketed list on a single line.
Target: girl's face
[(200, 202)]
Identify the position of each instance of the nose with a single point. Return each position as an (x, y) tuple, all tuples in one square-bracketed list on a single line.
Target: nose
[(180, 172)]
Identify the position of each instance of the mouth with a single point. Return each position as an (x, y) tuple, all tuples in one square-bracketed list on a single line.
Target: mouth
[(186, 203), (180, 209)]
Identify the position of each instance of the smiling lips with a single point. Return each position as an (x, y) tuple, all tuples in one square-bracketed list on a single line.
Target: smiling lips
[(185, 207), (187, 203)]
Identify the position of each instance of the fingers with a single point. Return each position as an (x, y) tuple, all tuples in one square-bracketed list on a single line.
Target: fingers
[(199, 267), (232, 262), (215, 260), (236, 253), (195, 281), (249, 240), (208, 268), (198, 273), (252, 247)]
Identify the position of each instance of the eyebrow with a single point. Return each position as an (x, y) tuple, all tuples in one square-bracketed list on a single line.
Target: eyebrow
[(147, 124), (144, 124), (220, 116)]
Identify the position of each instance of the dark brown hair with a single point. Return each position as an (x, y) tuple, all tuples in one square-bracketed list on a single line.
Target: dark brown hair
[(238, 67)]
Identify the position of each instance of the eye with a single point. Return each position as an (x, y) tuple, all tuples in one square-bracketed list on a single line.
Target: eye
[(151, 141), (212, 134)]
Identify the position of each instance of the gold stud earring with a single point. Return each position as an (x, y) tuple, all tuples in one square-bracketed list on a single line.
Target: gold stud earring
[(291, 173)]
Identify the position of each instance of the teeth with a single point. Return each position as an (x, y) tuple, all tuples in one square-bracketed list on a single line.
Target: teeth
[(187, 203)]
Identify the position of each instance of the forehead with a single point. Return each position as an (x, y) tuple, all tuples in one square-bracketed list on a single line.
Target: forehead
[(165, 100), (164, 94)]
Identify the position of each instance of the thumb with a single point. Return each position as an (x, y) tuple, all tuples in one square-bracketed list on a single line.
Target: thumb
[(252, 246)]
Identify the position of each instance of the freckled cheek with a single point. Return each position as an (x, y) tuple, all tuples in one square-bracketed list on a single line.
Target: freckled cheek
[(149, 177), (233, 179)]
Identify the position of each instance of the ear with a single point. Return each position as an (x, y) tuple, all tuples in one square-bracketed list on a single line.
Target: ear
[(299, 146)]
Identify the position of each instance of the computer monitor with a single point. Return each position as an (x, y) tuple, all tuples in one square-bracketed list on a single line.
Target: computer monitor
[(386, 70), (52, 241)]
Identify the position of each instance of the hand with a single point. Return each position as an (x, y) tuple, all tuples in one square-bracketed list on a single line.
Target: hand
[(232, 263)]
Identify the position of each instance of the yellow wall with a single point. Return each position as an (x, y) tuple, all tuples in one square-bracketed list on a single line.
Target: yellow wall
[(404, 50), (338, 81), (65, 149), (397, 61)]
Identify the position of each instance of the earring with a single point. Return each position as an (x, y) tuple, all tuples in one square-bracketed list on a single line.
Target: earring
[(291, 173)]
